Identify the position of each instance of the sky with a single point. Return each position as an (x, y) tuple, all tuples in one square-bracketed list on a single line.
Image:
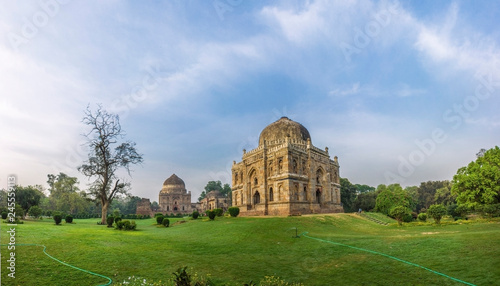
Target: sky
[(402, 92)]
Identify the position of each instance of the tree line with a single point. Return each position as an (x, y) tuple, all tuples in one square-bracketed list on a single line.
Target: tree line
[(475, 187)]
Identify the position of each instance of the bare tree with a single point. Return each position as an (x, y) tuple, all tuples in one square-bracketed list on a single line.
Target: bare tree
[(106, 156)]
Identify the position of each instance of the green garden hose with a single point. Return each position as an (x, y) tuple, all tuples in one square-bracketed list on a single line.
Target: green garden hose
[(64, 263), (388, 256)]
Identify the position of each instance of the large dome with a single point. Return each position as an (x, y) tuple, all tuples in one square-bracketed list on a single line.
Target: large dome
[(173, 180), (173, 185), (282, 129)]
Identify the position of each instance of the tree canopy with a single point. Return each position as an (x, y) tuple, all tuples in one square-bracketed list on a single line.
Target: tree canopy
[(479, 182), (347, 194), (216, 186), (392, 196), (106, 156)]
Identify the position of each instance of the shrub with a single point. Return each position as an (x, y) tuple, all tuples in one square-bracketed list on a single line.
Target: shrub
[(4, 215), (165, 222), (437, 212), (159, 219), (234, 211), (110, 220), (211, 215), (57, 218), (422, 217), (158, 214), (126, 225), (219, 212), (196, 214), (69, 219), (399, 213), (35, 211), (117, 219), (139, 216)]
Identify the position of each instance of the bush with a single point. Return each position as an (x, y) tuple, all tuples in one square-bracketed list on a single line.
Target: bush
[(219, 212), (110, 220), (117, 219), (399, 213), (159, 219), (126, 225), (211, 215), (234, 211), (57, 218), (35, 211), (165, 222), (196, 214), (422, 217), (4, 215), (69, 219), (437, 212), (158, 214)]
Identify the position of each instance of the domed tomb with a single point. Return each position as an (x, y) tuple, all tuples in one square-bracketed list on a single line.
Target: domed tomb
[(174, 198), (282, 129), (286, 174)]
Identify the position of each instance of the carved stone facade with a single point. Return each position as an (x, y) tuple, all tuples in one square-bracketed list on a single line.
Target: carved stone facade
[(286, 174), (214, 200), (174, 198)]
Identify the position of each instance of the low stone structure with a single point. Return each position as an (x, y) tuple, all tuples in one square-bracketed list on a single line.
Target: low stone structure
[(214, 200)]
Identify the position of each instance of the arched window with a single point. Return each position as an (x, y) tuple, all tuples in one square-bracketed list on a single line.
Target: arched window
[(271, 195), (319, 176), (255, 181), (235, 178), (256, 198), (168, 208), (295, 166), (235, 199), (305, 193), (182, 207), (241, 176), (280, 165), (318, 196)]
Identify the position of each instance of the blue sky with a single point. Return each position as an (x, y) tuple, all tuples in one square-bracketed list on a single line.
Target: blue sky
[(400, 91)]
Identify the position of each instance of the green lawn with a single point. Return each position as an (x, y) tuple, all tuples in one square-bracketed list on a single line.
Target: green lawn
[(237, 250)]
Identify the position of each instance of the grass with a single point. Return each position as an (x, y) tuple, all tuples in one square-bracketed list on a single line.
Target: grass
[(235, 251)]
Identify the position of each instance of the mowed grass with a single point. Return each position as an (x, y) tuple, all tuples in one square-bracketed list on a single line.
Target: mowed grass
[(235, 251)]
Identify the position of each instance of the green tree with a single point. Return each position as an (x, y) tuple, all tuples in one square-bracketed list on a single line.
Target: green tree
[(479, 182), (427, 193), (65, 195), (392, 196), (436, 212), (347, 194), (361, 189), (106, 157), (399, 212), (28, 196), (35, 211), (365, 201), (444, 196)]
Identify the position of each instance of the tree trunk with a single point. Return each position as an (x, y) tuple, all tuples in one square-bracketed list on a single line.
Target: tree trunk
[(104, 213)]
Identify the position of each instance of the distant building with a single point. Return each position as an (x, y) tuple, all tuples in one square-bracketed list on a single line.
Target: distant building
[(144, 207), (214, 200), (286, 174), (174, 198)]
